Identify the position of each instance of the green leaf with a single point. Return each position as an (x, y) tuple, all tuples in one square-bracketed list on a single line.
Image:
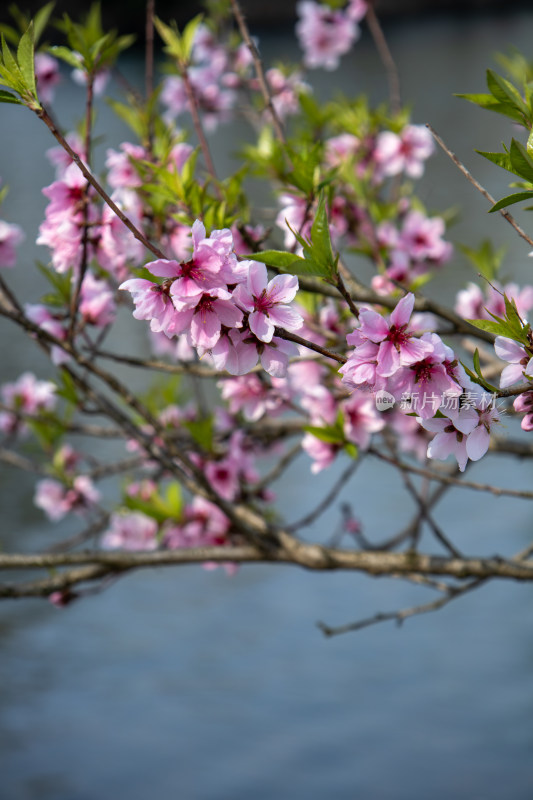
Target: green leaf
[(486, 259), (275, 258), (187, 38), (511, 200), (501, 159), (202, 432), (488, 102), (351, 450), (25, 58), (67, 388), (480, 381), (529, 146), (322, 251), (41, 20), (477, 365), (504, 91), (328, 434), (489, 325), (7, 97), (65, 54), (520, 161)]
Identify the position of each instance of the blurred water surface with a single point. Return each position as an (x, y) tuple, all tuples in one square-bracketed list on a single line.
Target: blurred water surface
[(184, 683)]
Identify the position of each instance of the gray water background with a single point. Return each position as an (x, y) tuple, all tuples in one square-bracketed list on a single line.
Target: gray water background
[(185, 683)]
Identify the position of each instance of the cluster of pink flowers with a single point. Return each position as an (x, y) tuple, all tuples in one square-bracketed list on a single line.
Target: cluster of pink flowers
[(11, 235), (72, 492), (423, 375), (215, 74), (520, 368), (227, 307), (325, 34), (405, 152), (26, 397), (47, 76), (473, 303), (57, 499), (411, 251), (202, 524)]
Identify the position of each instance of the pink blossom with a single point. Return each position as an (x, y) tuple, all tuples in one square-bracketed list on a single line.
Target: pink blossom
[(427, 381), (421, 238), (47, 76), (152, 302), (341, 148), (122, 173), (59, 157), (40, 315), (520, 360), (265, 301), (465, 432), (471, 303), (214, 101), (11, 235), (404, 152), (29, 395), (97, 303), (523, 404), (284, 90), (322, 453), (204, 314), (251, 396), (239, 351), (117, 246), (397, 347), (131, 531), (361, 419), (56, 499), (356, 9), (324, 34)]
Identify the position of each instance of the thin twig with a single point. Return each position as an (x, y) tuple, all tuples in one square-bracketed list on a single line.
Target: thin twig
[(327, 501), (259, 71), (43, 114), (510, 219), (498, 491), (386, 58), (400, 616)]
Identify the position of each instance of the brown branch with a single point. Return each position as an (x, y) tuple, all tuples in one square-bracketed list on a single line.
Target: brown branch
[(292, 337), (400, 616), (510, 219), (43, 114), (259, 71), (498, 491), (386, 58), (328, 499), (310, 556)]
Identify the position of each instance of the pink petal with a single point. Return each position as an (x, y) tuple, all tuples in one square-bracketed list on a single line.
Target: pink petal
[(283, 288), (508, 350), (402, 313), (373, 326), (286, 317), (164, 268), (477, 443), (257, 279), (261, 326)]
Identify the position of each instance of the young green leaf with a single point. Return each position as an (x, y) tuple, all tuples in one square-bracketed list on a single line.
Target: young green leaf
[(521, 163), (25, 58), (511, 200), (322, 251)]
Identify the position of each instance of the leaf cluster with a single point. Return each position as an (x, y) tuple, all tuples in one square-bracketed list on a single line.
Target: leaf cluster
[(17, 72), (90, 49), (318, 258)]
